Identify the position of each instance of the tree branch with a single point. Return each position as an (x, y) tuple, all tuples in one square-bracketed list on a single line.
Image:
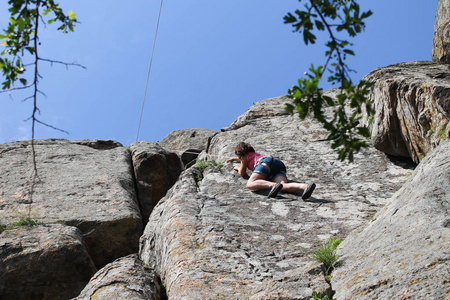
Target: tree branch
[(17, 88), (333, 38), (51, 126), (36, 74), (51, 61)]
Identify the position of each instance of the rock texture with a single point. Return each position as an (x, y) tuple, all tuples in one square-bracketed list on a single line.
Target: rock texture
[(412, 103), (156, 170), (126, 278), (43, 262), (188, 142), (87, 184), (214, 239), (441, 40), (404, 252)]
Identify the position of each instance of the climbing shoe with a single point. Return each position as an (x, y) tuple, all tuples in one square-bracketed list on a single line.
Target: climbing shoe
[(308, 191), (275, 189)]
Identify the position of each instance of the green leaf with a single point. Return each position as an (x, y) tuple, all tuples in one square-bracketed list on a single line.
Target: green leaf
[(328, 100), (319, 25), (289, 18), (31, 50), (289, 108), (363, 131), (308, 37), (348, 51), (6, 84)]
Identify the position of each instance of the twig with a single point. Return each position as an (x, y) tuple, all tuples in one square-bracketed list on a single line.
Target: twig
[(51, 126), (62, 63), (17, 88)]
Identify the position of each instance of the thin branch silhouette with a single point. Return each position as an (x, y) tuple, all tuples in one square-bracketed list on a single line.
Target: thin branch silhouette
[(22, 35)]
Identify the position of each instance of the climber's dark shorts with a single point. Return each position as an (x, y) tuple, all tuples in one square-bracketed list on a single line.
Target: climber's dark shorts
[(270, 167)]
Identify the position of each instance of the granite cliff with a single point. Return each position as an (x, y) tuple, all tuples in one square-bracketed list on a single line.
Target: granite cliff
[(213, 238), (143, 222)]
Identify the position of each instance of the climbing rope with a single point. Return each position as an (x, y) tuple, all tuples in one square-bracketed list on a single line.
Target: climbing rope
[(149, 69)]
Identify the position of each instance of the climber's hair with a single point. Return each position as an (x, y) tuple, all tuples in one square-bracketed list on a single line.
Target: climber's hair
[(243, 149)]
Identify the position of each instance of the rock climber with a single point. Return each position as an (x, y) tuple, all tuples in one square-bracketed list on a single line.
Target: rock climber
[(268, 172)]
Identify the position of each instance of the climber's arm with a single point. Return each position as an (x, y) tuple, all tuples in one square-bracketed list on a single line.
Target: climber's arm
[(242, 168), (233, 159)]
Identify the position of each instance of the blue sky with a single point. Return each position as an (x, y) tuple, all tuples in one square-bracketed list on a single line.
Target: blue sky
[(213, 59)]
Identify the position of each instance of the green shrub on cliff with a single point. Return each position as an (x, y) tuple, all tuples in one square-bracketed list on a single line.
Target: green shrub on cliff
[(201, 166), (318, 296), (327, 255)]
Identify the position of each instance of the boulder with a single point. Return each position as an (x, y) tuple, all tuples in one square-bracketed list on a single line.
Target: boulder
[(214, 239), (441, 40), (156, 170), (125, 278), (188, 142), (412, 104), (43, 262), (87, 184), (403, 253)]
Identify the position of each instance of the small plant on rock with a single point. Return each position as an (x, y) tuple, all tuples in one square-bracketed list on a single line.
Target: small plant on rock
[(318, 296), (327, 255), (201, 166), (198, 178), (23, 219), (219, 165), (21, 222), (27, 222), (443, 133)]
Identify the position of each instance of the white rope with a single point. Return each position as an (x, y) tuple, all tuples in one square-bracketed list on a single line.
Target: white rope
[(149, 70)]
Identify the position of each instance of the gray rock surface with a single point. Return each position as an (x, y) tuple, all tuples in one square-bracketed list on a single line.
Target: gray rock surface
[(155, 170), (217, 240), (88, 184), (441, 39), (188, 143), (404, 253), (412, 103), (43, 262), (125, 279)]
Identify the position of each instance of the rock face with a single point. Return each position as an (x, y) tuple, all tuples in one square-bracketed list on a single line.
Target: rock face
[(188, 142), (412, 103), (87, 184), (404, 252), (214, 239), (156, 170), (125, 278), (43, 262), (441, 40)]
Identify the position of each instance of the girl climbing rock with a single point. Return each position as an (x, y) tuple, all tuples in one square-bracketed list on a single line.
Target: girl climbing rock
[(268, 172)]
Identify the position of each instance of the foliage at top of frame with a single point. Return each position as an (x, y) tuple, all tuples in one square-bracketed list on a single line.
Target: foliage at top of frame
[(337, 18), (20, 37)]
